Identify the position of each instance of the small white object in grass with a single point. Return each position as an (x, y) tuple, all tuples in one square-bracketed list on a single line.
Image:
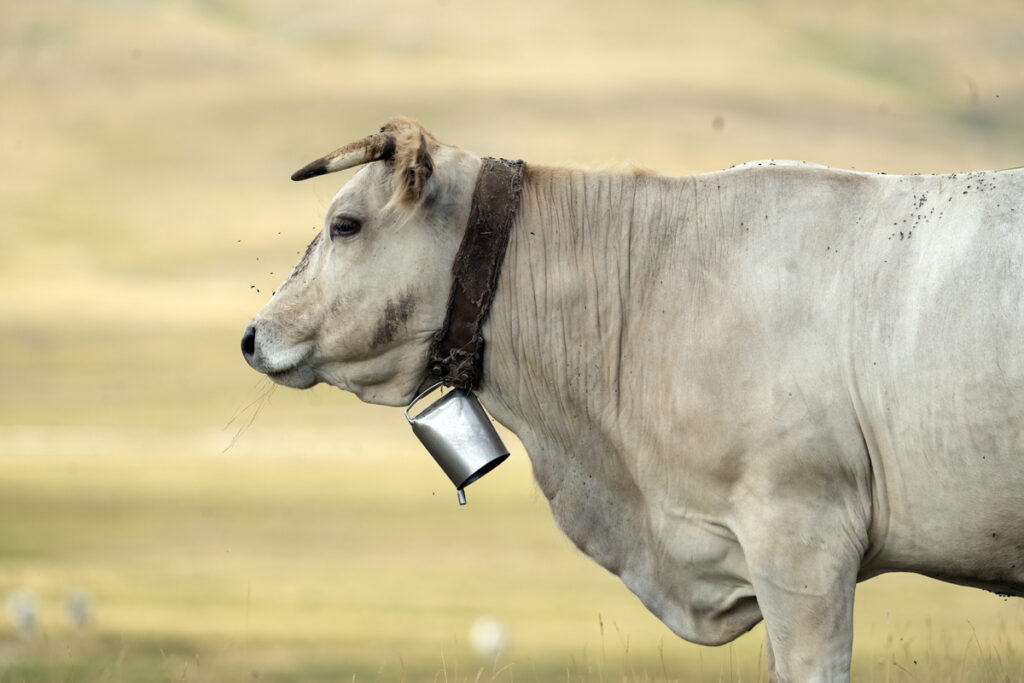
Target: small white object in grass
[(79, 609), (23, 611), (488, 636)]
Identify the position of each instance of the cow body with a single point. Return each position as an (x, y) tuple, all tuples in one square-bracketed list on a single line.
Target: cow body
[(765, 384), (744, 391)]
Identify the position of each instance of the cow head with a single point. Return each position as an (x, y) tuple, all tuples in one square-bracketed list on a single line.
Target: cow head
[(359, 310)]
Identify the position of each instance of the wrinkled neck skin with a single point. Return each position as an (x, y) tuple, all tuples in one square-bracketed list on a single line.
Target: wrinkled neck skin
[(557, 361), (564, 370)]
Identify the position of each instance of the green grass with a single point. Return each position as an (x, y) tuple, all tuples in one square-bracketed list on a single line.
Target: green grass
[(226, 531)]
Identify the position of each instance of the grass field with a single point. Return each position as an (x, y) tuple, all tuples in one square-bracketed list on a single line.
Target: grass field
[(221, 530)]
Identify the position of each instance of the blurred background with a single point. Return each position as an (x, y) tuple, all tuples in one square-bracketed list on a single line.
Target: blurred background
[(165, 514)]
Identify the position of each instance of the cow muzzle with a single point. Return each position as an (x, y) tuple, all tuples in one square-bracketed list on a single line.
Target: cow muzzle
[(283, 366)]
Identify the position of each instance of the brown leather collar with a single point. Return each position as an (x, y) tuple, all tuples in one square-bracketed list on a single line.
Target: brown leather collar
[(457, 352)]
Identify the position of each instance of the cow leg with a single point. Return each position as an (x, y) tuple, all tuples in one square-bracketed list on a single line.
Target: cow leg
[(769, 655), (810, 637), (805, 594)]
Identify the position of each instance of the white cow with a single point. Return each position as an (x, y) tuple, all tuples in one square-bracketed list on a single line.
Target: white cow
[(742, 392)]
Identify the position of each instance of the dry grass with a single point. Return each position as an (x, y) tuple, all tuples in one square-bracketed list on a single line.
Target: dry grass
[(309, 554), (145, 214)]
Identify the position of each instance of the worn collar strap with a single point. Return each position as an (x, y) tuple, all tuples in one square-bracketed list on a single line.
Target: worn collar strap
[(456, 354)]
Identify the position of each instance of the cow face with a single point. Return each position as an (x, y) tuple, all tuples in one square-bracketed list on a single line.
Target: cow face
[(360, 309)]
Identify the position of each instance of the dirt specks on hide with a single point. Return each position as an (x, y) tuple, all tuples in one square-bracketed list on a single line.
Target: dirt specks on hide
[(304, 261)]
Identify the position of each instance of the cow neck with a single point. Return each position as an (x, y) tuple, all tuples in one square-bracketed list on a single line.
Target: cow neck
[(457, 351)]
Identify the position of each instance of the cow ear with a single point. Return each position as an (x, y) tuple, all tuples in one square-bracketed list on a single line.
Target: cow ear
[(414, 171)]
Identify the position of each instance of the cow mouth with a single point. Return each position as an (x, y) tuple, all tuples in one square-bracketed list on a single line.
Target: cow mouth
[(283, 364), (297, 377)]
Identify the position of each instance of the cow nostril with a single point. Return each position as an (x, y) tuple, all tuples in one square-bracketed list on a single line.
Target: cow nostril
[(249, 341)]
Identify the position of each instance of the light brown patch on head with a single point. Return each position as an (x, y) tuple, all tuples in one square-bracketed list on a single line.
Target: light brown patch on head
[(412, 159), (403, 127)]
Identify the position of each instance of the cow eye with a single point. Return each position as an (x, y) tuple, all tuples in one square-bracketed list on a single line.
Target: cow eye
[(343, 226)]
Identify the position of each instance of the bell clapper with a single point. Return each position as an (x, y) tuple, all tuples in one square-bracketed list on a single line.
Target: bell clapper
[(462, 496)]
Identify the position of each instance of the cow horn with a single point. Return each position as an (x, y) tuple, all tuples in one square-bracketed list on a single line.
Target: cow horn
[(371, 148)]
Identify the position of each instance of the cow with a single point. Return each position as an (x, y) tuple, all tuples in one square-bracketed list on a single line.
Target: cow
[(742, 391)]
